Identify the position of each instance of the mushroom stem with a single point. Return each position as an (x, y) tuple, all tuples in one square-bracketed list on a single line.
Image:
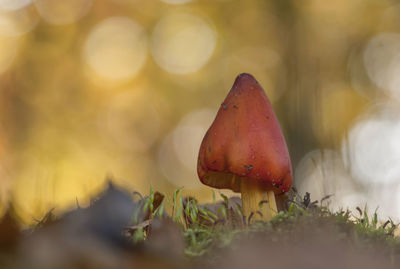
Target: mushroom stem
[(272, 203), (257, 201)]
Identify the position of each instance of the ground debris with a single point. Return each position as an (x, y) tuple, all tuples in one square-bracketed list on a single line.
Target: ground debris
[(117, 231), (10, 233)]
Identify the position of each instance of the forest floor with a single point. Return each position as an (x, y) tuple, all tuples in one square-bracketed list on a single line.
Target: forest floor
[(121, 230)]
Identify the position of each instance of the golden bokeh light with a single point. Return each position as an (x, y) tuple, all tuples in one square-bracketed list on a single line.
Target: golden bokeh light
[(8, 51), (62, 12), (8, 5), (18, 22), (116, 49), (182, 43), (176, 2), (188, 135), (131, 120), (177, 156), (58, 177)]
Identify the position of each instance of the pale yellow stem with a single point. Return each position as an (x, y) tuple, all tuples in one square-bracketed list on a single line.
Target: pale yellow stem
[(272, 203), (256, 200)]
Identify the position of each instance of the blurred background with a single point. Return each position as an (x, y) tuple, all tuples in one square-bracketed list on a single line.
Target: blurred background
[(128, 88)]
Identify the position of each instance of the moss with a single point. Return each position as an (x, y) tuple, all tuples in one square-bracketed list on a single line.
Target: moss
[(296, 223)]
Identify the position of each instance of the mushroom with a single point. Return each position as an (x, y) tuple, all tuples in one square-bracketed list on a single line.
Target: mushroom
[(244, 150)]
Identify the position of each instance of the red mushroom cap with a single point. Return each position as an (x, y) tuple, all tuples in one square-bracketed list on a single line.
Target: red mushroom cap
[(245, 140)]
